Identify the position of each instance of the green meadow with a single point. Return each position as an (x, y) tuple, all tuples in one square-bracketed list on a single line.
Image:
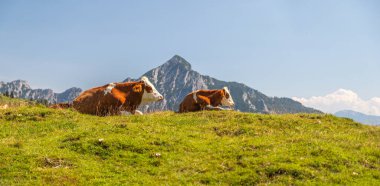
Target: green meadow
[(42, 146)]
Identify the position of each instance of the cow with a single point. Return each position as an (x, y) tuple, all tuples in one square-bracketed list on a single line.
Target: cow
[(116, 98), (206, 100)]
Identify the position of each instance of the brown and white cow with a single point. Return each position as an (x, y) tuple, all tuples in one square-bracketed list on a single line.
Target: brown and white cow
[(115, 98), (206, 100)]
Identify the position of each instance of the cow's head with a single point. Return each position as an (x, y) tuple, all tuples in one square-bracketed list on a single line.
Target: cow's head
[(150, 93), (227, 98)]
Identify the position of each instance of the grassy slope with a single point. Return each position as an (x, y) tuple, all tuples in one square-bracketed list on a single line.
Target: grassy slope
[(14, 102), (51, 147)]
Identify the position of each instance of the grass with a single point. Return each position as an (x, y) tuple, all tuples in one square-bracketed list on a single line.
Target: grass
[(15, 102), (41, 146)]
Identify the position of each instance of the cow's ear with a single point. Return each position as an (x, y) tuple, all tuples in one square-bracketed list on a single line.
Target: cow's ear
[(221, 93), (137, 88)]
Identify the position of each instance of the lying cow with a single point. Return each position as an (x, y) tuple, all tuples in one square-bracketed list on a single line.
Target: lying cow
[(115, 98), (206, 100)]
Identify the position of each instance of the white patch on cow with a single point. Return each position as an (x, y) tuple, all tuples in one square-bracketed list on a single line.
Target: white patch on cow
[(195, 96), (209, 107), (109, 88), (137, 112), (227, 102), (126, 113), (150, 97)]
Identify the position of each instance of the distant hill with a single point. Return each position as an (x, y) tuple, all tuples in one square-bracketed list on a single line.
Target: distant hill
[(21, 89), (7, 102), (359, 117), (175, 79)]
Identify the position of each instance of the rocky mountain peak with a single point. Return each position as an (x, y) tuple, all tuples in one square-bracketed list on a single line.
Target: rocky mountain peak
[(175, 79), (20, 84), (177, 62)]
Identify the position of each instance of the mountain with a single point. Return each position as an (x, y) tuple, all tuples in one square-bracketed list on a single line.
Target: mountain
[(175, 79), (359, 117), (21, 89)]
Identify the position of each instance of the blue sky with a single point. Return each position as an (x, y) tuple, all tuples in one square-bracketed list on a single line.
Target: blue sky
[(289, 48)]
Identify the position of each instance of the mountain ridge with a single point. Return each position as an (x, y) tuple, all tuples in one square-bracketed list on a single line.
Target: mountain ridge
[(22, 89), (175, 79), (359, 117)]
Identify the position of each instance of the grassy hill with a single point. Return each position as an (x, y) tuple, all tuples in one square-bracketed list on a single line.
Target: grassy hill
[(41, 146), (15, 102)]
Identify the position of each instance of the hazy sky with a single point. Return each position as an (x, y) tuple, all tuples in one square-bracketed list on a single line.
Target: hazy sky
[(292, 48)]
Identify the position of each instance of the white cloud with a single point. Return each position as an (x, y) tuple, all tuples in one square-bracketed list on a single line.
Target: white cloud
[(342, 100)]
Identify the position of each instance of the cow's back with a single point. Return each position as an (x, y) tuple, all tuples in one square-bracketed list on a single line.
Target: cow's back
[(93, 101)]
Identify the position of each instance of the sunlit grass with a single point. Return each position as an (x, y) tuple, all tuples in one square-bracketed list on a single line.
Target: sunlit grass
[(41, 146)]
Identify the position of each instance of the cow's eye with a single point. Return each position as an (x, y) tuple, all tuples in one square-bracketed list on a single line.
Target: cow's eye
[(227, 96)]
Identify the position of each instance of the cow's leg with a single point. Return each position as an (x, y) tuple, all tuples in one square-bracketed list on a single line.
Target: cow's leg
[(137, 112), (203, 102), (125, 113), (209, 107), (219, 108)]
